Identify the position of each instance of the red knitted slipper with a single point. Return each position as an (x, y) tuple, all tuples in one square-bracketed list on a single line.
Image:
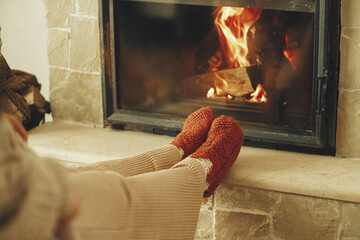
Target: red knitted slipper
[(194, 132), (221, 148)]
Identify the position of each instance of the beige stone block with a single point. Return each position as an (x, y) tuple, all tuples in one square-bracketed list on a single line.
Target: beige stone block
[(87, 7), (231, 197), (58, 47), (239, 225), (58, 12), (85, 44), (350, 224), (204, 226), (208, 202), (348, 124), (350, 12), (349, 58), (299, 217), (75, 96)]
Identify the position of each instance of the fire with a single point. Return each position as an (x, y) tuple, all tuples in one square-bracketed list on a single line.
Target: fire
[(291, 52), (211, 93), (259, 95), (233, 25)]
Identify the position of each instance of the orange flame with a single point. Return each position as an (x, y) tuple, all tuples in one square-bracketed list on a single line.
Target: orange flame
[(259, 95), (233, 25), (211, 93), (291, 52)]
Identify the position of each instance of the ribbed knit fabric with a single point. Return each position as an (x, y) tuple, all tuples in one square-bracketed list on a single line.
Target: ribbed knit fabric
[(160, 158), (155, 205)]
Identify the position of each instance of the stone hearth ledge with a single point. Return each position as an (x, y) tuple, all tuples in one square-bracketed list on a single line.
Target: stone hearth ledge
[(296, 173)]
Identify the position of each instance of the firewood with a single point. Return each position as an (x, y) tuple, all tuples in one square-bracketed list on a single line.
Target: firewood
[(34, 99), (27, 78), (20, 95), (15, 104), (207, 51), (8, 79), (266, 49), (5, 71), (234, 82)]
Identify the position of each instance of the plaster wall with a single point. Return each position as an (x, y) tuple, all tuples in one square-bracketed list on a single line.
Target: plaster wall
[(24, 38)]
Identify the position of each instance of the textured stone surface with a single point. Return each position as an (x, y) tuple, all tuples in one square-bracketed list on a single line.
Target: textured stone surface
[(232, 197), (58, 47), (350, 224), (350, 12), (348, 124), (204, 226), (349, 56), (348, 137), (293, 216), (299, 217), (87, 7), (85, 44), (58, 12), (208, 203), (239, 225), (75, 96)]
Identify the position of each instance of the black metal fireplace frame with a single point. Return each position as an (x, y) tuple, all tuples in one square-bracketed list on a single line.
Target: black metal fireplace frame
[(320, 139)]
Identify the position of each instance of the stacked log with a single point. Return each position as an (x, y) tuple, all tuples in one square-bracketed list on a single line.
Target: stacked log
[(20, 95)]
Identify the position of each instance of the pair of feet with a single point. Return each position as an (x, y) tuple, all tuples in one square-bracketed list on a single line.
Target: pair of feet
[(214, 141)]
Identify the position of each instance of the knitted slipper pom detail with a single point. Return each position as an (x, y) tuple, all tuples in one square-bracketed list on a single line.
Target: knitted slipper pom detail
[(221, 148), (194, 132)]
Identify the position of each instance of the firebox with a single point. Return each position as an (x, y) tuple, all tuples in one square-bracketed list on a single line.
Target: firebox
[(272, 65)]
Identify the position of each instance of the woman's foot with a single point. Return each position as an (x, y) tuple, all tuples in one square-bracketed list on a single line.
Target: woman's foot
[(220, 150), (194, 132)]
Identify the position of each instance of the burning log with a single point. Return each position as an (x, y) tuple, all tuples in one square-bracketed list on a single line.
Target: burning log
[(207, 55), (234, 82), (266, 48)]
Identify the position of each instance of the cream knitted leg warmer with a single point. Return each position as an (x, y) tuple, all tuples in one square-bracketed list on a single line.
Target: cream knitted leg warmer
[(157, 159), (156, 205)]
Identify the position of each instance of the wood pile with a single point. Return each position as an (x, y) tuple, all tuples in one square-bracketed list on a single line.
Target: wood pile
[(20, 95)]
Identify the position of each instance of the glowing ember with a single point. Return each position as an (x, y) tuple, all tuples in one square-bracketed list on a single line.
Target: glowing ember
[(233, 25), (211, 93), (291, 52), (259, 95), (230, 97)]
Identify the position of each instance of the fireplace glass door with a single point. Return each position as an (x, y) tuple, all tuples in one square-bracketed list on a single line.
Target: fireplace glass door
[(259, 62)]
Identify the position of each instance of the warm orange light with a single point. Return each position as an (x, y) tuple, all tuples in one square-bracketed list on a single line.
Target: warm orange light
[(211, 93), (233, 25), (291, 52), (230, 97), (259, 95)]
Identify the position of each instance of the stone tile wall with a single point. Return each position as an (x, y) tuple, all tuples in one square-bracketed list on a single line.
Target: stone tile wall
[(74, 60), (244, 213), (348, 122)]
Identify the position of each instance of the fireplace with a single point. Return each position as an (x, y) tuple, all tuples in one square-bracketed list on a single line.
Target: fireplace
[(271, 65)]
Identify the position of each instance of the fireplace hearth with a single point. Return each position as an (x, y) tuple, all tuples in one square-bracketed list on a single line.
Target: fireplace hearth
[(271, 65)]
